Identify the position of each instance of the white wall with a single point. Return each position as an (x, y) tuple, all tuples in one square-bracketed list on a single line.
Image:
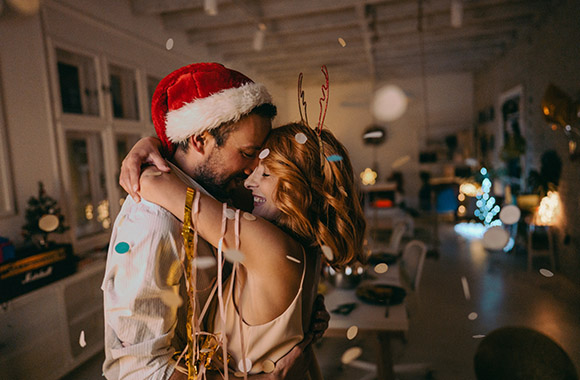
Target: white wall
[(450, 101)]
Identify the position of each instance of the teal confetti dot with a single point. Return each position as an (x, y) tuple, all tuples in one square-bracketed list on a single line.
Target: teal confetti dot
[(122, 248), (334, 157)]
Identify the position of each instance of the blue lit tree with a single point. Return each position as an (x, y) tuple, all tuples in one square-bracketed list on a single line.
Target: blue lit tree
[(487, 209)]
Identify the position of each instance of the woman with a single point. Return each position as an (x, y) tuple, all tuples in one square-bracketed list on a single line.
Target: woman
[(302, 204)]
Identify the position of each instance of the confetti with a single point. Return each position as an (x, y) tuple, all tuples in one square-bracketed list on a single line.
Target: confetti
[(264, 154), (248, 216), (351, 354), (169, 44), (478, 336), (472, 316), (352, 332), (268, 366), (546, 273), (381, 268), (327, 252), (293, 259), (230, 214), (122, 247), (234, 256), (400, 161), (334, 158), (48, 223), (82, 341), (248, 364), (341, 41), (300, 138), (204, 262), (465, 288), (171, 299), (151, 173)]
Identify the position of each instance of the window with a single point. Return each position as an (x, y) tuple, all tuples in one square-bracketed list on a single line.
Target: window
[(151, 86), (98, 118), (77, 83), (123, 93), (89, 203)]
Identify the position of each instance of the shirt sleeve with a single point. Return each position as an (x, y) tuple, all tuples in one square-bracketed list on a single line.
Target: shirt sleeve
[(141, 293)]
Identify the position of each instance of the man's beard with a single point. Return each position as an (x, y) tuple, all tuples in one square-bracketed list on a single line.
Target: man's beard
[(216, 183)]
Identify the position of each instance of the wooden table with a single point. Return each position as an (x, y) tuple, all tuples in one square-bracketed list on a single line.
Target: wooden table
[(369, 319)]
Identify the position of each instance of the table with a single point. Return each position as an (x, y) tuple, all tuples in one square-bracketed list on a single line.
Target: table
[(369, 319)]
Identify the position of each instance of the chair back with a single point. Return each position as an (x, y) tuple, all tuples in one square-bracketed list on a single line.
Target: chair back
[(412, 262), (396, 237), (520, 353)]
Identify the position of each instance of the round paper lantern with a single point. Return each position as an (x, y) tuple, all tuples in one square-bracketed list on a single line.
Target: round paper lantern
[(389, 103)]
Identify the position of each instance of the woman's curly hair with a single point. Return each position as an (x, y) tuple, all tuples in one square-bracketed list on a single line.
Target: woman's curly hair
[(320, 206)]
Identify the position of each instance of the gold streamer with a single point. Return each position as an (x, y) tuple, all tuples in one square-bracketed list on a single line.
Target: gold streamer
[(189, 252)]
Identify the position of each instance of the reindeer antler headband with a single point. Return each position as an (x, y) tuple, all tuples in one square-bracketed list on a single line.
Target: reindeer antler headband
[(322, 114)]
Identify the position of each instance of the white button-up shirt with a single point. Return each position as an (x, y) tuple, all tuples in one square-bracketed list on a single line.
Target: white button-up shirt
[(143, 328)]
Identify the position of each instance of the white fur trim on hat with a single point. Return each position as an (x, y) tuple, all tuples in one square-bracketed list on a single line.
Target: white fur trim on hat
[(208, 113)]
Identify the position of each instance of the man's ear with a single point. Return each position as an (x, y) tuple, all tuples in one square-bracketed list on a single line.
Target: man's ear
[(198, 142)]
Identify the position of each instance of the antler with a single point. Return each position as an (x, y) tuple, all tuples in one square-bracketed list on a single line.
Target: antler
[(324, 98), (301, 101)]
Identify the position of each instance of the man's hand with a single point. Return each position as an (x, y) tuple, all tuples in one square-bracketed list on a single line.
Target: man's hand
[(320, 318), (295, 364), (145, 151)]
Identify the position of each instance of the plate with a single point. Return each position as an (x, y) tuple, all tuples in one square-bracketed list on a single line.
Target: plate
[(380, 294)]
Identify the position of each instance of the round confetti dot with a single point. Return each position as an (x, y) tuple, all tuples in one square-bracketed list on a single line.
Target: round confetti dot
[(327, 252), (268, 366), (234, 256), (264, 154), (351, 354), (334, 158), (230, 214), (204, 262), (169, 44), (472, 316), (171, 299), (48, 223), (82, 341), (546, 273), (300, 138), (122, 247), (248, 363), (352, 332), (249, 216), (381, 268), (341, 41)]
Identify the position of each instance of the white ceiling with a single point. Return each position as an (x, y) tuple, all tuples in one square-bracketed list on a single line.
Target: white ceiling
[(383, 38)]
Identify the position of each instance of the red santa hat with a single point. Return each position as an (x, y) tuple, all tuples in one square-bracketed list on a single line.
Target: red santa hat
[(200, 97)]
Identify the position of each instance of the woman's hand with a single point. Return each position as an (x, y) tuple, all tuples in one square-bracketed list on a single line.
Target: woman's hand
[(145, 151)]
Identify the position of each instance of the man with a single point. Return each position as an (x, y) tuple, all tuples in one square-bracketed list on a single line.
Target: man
[(212, 121)]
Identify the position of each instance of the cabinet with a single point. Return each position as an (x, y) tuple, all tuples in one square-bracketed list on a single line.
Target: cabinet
[(40, 331)]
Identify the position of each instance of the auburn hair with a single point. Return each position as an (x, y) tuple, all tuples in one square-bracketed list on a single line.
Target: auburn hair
[(320, 205)]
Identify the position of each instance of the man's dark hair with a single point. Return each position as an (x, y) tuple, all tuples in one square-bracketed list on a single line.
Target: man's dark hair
[(221, 133)]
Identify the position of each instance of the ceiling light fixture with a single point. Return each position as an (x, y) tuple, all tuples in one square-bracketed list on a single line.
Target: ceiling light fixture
[(210, 7)]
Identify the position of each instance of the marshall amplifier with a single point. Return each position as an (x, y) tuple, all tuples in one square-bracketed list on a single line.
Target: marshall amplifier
[(38, 269)]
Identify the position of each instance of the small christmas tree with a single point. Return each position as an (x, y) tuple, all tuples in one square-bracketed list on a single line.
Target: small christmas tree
[(43, 216), (487, 209)]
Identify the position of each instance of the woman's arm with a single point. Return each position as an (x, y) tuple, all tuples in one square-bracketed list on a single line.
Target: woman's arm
[(264, 245), (145, 151)]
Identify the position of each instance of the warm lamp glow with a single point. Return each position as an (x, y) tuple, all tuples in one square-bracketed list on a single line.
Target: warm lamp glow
[(549, 210), (368, 176), (470, 189)]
